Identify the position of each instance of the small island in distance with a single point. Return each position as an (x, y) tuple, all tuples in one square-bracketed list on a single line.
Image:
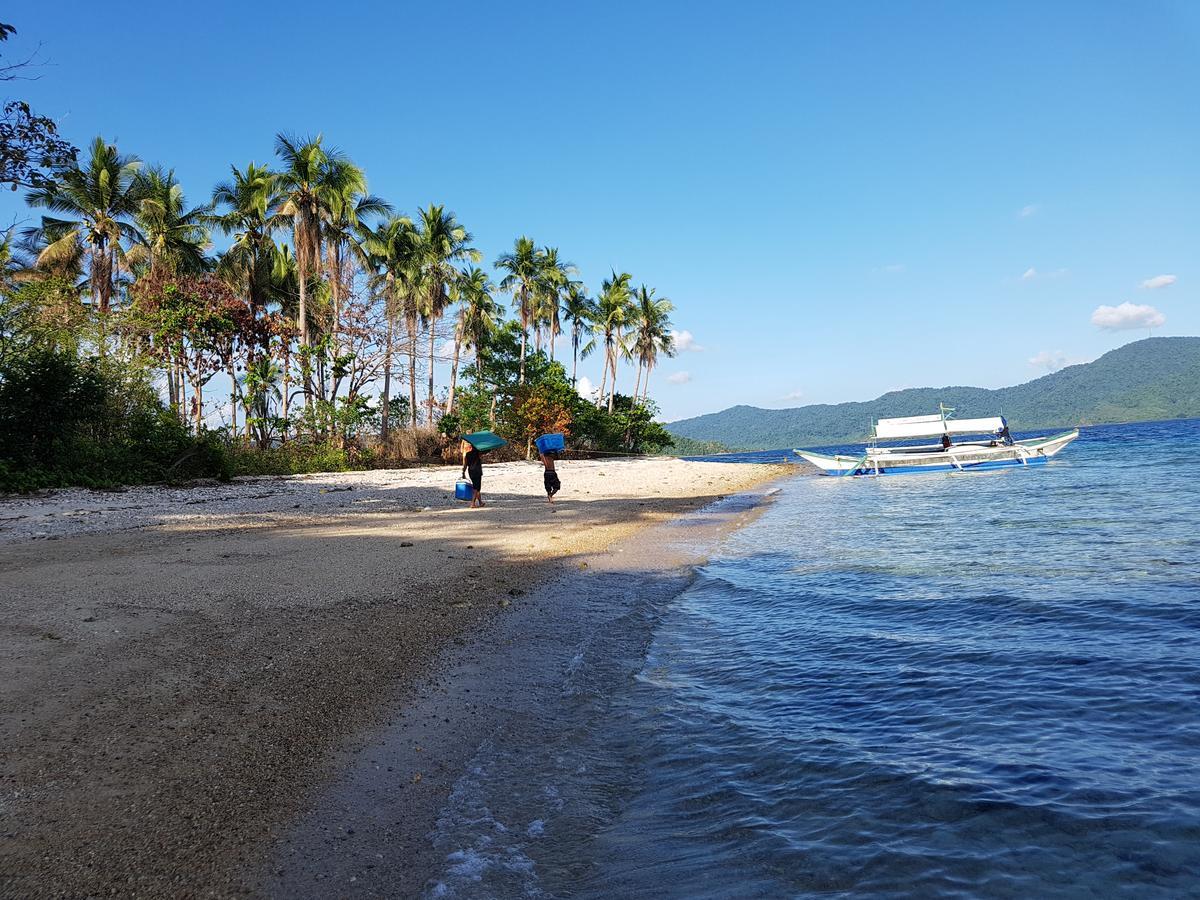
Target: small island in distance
[(1147, 380)]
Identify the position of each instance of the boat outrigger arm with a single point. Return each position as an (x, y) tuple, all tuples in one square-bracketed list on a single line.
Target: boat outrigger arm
[(995, 450)]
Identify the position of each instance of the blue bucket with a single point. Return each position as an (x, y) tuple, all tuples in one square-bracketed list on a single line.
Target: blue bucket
[(463, 490), (551, 443)]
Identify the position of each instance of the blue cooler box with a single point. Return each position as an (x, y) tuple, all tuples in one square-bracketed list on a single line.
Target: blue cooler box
[(551, 443), (463, 490)]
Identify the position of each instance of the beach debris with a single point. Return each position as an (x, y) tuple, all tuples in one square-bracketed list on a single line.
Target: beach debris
[(516, 592), (406, 543), (505, 602), (416, 779)]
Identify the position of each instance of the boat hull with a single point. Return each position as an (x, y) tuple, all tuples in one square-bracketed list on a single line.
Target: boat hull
[(962, 458)]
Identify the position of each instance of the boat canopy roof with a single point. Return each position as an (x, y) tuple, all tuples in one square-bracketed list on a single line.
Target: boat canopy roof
[(935, 426)]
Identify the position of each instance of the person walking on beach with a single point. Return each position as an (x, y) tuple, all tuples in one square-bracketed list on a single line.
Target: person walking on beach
[(473, 468), (550, 477)]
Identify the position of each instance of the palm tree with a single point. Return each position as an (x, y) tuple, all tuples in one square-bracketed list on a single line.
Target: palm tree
[(311, 182), (440, 242), (553, 276), (392, 250), (580, 311), (347, 209), (478, 314), (261, 383), (522, 266), (173, 237), (615, 307), (246, 203), (651, 333), (97, 201)]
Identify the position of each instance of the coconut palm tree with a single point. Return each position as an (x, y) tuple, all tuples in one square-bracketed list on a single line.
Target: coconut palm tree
[(614, 310), (392, 251), (440, 242), (173, 237), (580, 312), (347, 209), (95, 202), (311, 182), (523, 267), (651, 333), (261, 384), (243, 208), (553, 277), (478, 314)]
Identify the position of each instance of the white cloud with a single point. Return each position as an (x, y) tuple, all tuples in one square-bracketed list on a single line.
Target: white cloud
[(1029, 210), (793, 395), (679, 377), (1127, 315), (1159, 281), (1052, 361), (1031, 273), (895, 268), (586, 389), (684, 342)]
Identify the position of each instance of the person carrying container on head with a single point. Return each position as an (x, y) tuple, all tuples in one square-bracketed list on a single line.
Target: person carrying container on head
[(549, 445)]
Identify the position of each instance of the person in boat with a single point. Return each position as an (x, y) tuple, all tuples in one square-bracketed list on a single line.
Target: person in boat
[(946, 442), (473, 468), (1005, 435), (550, 477)]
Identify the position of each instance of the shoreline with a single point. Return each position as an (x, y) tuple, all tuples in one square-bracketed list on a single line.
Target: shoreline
[(184, 681), (368, 832)]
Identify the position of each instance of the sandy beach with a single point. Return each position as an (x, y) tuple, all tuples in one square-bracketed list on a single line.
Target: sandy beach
[(186, 669)]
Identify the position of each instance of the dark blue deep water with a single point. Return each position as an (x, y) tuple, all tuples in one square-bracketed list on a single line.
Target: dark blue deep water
[(967, 685)]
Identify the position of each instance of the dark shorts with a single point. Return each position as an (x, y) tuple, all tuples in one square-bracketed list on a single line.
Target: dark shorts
[(553, 485), (476, 476)]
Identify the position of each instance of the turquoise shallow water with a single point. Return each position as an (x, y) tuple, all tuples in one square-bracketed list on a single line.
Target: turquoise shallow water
[(939, 685)]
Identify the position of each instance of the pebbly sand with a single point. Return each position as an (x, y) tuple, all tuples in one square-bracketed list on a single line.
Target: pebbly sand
[(186, 669)]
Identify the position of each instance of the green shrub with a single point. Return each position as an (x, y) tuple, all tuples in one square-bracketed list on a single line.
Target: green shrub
[(298, 459), (71, 423)]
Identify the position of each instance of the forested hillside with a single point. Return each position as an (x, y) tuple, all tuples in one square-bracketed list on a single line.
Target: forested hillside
[(1155, 378)]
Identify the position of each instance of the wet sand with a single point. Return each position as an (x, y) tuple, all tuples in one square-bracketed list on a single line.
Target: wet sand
[(186, 672)]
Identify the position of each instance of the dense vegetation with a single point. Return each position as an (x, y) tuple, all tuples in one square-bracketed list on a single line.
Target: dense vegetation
[(686, 446), (1155, 378), (326, 323)]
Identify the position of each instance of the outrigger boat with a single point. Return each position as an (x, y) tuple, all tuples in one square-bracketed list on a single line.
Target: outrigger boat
[(992, 448)]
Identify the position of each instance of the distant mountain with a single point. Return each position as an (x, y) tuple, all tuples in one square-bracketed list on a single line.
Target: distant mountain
[(1156, 378)]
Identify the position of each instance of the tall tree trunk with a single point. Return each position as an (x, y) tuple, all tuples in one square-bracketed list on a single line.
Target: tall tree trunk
[(412, 369), (637, 385), (432, 339), (198, 396), (387, 381), (524, 333), (612, 390), (172, 391), (233, 400), (454, 370), (603, 379), (574, 354), (287, 381)]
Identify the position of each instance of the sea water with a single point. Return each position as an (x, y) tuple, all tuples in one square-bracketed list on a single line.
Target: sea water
[(958, 685)]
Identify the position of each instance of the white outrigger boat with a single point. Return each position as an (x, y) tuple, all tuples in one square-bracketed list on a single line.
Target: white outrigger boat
[(993, 447)]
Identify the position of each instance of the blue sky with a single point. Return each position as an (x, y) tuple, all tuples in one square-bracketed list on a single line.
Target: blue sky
[(840, 200)]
